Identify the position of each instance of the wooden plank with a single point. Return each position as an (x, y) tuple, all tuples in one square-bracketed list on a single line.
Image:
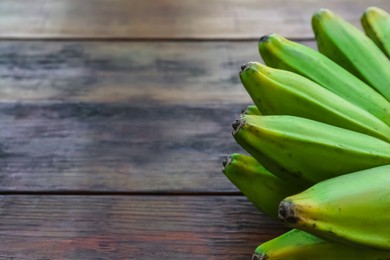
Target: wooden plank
[(167, 72), (119, 117), (180, 72), (132, 227), (168, 19), (115, 147)]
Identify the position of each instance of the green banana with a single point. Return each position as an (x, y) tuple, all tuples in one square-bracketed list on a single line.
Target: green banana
[(280, 53), (353, 208), (376, 25), (352, 49), (260, 186), (298, 245), (306, 150), (251, 110), (278, 92)]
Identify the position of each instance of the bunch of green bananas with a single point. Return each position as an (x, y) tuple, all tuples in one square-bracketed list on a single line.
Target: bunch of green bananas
[(318, 136)]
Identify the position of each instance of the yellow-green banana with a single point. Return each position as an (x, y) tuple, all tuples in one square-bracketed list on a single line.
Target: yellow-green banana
[(352, 209), (299, 245), (352, 49), (280, 53), (307, 150), (251, 110), (260, 186), (376, 25), (281, 92)]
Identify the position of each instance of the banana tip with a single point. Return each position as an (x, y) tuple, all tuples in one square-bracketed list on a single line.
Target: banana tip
[(237, 125), (257, 256), (264, 38), (226, 162), (286, 212), (322, 13), (246, 66), (373, 10)]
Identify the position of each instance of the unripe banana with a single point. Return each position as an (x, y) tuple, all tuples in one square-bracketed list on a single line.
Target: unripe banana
[(280, 53), (307, 150), (352, 209), (251, 110), (376, 25), (281, 92), (299, 245), (352, 49), (260, 186)]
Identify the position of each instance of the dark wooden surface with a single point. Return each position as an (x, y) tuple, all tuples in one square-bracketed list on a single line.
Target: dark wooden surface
[(115, 117), (137, 227)]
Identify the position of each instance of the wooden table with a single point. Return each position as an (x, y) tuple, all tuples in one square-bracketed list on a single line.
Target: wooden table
[(115, 117)]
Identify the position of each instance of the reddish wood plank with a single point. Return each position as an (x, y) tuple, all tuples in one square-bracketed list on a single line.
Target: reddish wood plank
[(133, 227), (168, 19)]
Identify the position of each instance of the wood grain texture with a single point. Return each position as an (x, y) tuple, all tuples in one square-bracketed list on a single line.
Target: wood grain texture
[(168, 19), (165, 72), (135, 227), (125, 147)]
